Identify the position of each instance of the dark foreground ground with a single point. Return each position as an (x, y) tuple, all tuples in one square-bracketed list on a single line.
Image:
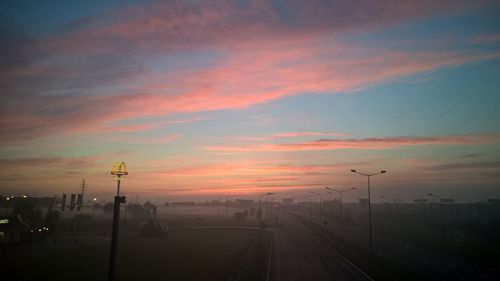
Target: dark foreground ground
[(203, 247), (300, 254), (185, 254)]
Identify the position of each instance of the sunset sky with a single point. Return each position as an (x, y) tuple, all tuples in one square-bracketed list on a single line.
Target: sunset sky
[(204, 99)]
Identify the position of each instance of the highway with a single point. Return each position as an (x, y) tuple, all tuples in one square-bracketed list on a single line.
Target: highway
[(300, 254)]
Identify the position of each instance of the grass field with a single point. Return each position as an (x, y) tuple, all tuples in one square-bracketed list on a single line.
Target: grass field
[(194, 254)]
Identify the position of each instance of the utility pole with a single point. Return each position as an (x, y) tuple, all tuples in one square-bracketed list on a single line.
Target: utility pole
[(83, 190)]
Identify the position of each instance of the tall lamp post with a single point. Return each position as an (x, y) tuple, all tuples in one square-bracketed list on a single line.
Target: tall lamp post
[(443, 238), (320, 202), (369, 205), (268, 212), (309, 201), (227, 201), (341, 214), (301, 204), (119, 170), (305, 205), (93, 206), (260, 205), (218, 206)]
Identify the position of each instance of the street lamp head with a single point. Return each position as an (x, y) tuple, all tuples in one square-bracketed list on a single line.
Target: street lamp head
[(383, 172), (270, 193), (354, 171), (430, 194)]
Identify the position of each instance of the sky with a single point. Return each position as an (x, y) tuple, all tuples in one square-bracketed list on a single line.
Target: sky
[(207, 99)]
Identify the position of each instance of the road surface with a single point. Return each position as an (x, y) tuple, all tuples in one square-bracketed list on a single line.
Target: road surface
[(300, 254)]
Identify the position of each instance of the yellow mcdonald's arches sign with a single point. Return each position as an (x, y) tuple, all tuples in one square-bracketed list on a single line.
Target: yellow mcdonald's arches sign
[(120, 168)]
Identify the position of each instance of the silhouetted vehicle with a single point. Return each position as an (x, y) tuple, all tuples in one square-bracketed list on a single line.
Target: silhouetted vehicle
[(152, 228), (241, 216)]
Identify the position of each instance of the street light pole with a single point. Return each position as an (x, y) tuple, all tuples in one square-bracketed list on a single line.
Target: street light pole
[(320, 203), (304, 205), (341, 213), (227, 198), (478, 207), (309, 201), (266, 211), (443, 238), (320, 200), (260, 206), (93, 206), (369, 205), (218, 206)]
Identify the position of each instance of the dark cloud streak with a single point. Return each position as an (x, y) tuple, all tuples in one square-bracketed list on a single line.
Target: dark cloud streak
[(465, 166)]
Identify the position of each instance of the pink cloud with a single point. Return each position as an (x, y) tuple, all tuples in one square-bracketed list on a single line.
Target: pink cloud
[(237, 83), (148, 140), (308, 134), (35, 163), (128, 128), (72, 89), (285, 135), (368, 143), (174, 25)]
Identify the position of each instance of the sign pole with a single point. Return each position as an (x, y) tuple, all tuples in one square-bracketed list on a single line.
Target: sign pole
[(118, 172)]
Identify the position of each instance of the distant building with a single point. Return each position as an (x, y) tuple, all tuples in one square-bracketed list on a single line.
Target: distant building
[(363, 201), (13, 229), (244, 203), (420, 201), (287, 201), (186, 203)]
